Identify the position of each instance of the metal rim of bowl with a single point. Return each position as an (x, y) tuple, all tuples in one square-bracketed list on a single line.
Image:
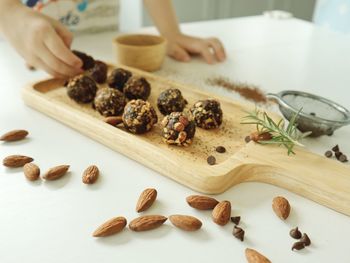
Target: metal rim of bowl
[(338, 107)]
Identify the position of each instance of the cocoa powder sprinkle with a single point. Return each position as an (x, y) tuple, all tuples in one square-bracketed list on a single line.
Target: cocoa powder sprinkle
[(247, 91)]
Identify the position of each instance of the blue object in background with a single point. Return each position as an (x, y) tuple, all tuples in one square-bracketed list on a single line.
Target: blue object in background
[(82, 5), (333, 14)]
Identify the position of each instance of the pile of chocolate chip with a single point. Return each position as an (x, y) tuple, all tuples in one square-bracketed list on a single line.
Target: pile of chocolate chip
[(337, 153), (304, 239)]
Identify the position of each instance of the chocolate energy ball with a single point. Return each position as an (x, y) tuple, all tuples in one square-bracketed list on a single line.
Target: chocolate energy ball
[(137, 88), (98, 72), (139, 116), (118, 78), (207, 114), (88, 61), (171, 100), (81, 88), (109, 102), (178, 129)]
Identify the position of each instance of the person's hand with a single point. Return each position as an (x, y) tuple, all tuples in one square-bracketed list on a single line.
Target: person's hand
[(181, 47), (43, 42)]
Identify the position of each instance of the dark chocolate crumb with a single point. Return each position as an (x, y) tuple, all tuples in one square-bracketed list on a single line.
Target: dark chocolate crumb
[(211, 160), (220, 149), (306, 240), (343, 158), (298, 245), (335, 148), (235, 219), (295, 233), (238, 233), (312, 114), (328, 154), (247, 139)]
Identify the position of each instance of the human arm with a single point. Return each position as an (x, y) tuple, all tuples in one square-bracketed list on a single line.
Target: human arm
[(41, 41), (181, 46)]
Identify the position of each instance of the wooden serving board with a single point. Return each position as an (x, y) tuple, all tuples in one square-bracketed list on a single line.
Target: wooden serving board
[(313, 176)]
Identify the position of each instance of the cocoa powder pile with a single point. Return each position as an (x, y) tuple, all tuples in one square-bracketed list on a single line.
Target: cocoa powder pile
[(247, 91)]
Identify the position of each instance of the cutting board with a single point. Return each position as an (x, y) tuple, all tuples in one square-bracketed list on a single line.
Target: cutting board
[(322, 180)]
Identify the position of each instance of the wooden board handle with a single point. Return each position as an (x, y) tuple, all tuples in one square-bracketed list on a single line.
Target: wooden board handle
[(322, 180)]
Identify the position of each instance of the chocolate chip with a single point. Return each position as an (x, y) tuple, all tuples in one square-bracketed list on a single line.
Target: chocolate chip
[(211, 160), (236, 219), (247, 139), (343, 158), (312, 114), (328, 154), (220, 149), (338, 154), (295, 233), (335, 148), (298, 245), (238, 233), (305, 239)]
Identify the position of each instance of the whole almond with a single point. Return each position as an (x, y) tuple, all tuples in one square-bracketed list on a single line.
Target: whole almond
[(281, 207), (113, 120), (184, 222), (146, 199), (56, 172), (144, 223), (14, 161), (222, 213), (201, 202), (110, 227), (254, 256), (14, 135), (90, 174), (31, 171)]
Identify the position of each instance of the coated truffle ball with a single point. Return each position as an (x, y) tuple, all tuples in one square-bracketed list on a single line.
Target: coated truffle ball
[(207, 114), (81, 88), (98, 72), (139, 116), (171, 100), (109, 102), (88, 61), (178, 129), (137, 88), (118, 78)]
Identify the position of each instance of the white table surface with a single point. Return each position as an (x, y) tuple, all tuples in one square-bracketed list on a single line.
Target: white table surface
[(53, 222)]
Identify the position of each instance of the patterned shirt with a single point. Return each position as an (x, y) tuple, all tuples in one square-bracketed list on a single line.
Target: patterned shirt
[(80, 16)]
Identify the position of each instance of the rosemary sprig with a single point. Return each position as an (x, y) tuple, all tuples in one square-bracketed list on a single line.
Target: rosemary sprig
[(287, 136)]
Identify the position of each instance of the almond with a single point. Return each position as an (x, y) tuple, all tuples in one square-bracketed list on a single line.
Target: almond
[(257, 137), (56, 172), (222, 213), (113, 120), (146, 199), (110, 227), (144, 223), (90, 174), (14, 135), (281, 207), (201, 202), (14, 161), (254, 256), (31, 171), (184, 222)]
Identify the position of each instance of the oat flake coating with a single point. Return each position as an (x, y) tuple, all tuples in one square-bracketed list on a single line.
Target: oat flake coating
[(178, 129), (207, 114), (137, 88), (118, 78), (171, 100), (139, 116), (109, 102), (81, 88)]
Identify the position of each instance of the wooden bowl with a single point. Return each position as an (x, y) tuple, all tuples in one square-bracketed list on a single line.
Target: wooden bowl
[(144, 52)]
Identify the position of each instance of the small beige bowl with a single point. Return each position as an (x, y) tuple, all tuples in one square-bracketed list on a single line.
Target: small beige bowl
[(144, 52)]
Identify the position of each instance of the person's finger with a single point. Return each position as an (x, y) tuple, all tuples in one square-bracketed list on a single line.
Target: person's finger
[(218, 48), (208, 56), (55, 44), (179, 53), (64, 33), (55, 64), (37, 62)]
